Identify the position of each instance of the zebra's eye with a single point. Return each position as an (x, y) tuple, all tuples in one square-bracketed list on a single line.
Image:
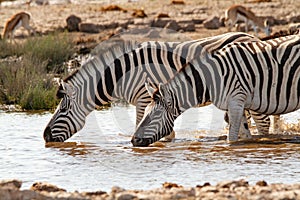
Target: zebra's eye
[(169, 103), (65, 105)]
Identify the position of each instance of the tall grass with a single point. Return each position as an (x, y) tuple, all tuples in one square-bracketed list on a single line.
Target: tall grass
[(27, 80)]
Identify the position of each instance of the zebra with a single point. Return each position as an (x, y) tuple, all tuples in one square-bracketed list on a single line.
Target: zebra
[(261, 76), (120, 73)]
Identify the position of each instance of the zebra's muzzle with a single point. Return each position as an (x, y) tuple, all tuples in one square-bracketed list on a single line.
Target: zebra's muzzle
[(140, 142), (48, 135)]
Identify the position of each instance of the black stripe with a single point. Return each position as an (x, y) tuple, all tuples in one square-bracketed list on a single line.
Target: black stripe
[(108, 81), (269, 80), (118, 69), (199, 85), (237, 67), (291, 79)]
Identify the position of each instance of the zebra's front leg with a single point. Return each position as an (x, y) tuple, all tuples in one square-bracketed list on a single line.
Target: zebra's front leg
[(169, 138), (244, 132), (244, 129), (235, 113)]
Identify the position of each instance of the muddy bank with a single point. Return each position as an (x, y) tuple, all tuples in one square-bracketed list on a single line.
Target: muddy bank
[(240, 189)]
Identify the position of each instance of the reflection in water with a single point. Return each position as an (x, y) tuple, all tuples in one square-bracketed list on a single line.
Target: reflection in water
[(101, 155), (72, 148)]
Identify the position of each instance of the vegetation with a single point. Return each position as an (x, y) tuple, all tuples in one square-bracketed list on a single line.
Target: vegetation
[(27, 70)]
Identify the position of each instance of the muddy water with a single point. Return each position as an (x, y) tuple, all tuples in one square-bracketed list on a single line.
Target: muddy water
[(101, 156)]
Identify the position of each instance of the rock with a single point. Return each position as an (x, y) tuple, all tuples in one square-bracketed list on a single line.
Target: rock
[(112, 8), (212, 22), (14, 184), (139, 13), (233, 184), (73, 23), (294, 27), (89, 28), (261, 183), (109, 25), (177, 2), (170, 185), (160, 22), (173, 25), (41, 2), (163, 15), (198, 20), (280, 21), (125, 196), (13, 194), (40, 186), (294, 19), (188, 27)]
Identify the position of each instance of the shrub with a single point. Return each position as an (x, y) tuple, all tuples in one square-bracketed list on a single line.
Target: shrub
[(25, 77), (55, 49), (38, 97)]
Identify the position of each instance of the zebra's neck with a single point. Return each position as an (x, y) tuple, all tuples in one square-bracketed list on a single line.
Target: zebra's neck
[(187, 90)]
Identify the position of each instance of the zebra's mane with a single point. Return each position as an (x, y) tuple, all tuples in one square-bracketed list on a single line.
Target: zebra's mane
[(106, 52)]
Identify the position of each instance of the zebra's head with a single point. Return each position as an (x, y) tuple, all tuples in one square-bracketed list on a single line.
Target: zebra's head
[(159, 117), (67, 118)]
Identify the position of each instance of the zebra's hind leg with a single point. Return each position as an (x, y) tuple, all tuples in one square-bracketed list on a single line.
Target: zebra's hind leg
[(262, 122), (244, 132)]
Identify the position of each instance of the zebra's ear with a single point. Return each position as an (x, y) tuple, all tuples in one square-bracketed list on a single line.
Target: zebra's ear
[(150, 89), (67, 88), (162, 90)]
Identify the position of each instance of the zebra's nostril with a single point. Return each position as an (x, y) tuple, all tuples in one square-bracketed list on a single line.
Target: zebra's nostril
[(48, 134), (139, 142)]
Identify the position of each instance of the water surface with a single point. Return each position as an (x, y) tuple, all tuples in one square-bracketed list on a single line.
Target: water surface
[(101, 155)]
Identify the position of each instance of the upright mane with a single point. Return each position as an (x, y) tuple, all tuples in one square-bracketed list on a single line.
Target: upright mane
[(106, 52)]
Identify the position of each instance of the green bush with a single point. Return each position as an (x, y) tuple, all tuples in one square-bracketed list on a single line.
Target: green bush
[(39, 98), (27, 72), (55, 49)]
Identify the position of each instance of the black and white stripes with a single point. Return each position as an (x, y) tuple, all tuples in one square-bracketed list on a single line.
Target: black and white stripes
[(120, 73), (261, 76)]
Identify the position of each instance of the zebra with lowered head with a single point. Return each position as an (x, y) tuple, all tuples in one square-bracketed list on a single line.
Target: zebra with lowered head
[(261, 76), (120, 73)]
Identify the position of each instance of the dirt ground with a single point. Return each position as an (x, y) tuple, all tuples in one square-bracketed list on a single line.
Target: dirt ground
[(52, 17)]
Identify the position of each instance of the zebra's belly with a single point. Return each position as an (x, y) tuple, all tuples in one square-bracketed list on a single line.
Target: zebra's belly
[(275, 104)]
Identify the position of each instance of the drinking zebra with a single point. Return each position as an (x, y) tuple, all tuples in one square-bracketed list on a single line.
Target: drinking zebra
[(121, 73), (262, 76)]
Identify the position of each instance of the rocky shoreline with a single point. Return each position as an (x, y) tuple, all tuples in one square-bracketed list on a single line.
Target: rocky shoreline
[(239, 190)]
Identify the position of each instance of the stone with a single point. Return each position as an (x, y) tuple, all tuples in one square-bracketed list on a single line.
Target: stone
[(160, 22), (73, 23), (168, 185), (89, 28), (212, 22), (294, 19), (188, 27), (41, 186), (294, 27), (233, 184), (261, 183), (163, 15), (177, 2), (125, 196), (15, 184), (173, 25), (112, 8), (139, 13), (280, 21)]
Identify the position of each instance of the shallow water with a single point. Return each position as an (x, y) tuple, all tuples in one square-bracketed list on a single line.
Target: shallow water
[(101, 155)]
